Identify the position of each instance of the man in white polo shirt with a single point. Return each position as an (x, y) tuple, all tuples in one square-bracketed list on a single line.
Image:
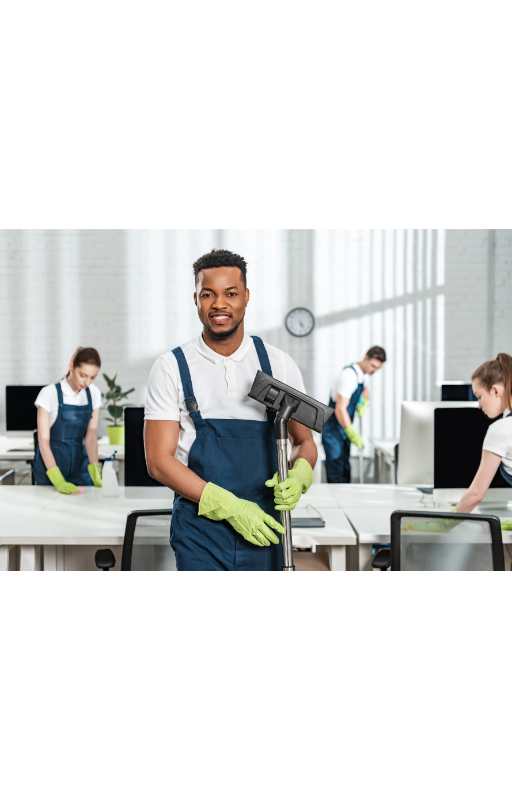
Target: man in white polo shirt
[(211, 443), (349, 395)]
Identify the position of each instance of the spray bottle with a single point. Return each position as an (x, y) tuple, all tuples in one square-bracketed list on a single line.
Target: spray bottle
[(109, 478)]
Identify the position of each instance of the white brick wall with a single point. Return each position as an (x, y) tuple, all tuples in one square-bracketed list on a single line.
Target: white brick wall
[(502, 328), (478, 299)]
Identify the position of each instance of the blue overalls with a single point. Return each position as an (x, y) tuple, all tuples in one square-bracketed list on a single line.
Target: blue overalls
[(239, 455), (507, 477), (67, 443), (335, 442)]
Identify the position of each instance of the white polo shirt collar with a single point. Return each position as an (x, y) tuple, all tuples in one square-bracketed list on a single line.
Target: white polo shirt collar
[(217, 358)]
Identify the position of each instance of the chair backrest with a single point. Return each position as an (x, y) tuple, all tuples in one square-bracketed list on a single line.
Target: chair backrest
[(135, 470), (437, 540), (146, 547)]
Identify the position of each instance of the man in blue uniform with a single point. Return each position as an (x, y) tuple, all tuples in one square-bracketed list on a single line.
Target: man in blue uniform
[(349, 395), (212, 444)]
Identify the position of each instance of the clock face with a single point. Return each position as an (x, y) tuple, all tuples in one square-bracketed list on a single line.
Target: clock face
[(299, 322)]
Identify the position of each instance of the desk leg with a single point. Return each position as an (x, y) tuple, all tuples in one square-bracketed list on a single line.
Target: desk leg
[(4, 557), (53, 558), (30, 557), (365, 556), (337, 557)]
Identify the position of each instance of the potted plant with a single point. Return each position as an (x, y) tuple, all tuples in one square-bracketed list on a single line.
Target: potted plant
[(115, 408)]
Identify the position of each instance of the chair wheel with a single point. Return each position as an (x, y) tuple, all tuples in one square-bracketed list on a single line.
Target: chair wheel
[(382, 559), (104, 559)]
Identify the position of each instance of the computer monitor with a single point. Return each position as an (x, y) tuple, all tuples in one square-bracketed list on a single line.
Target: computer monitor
[(416, 450), (135, 470), (458, 437), (456, 390), (20, 411)]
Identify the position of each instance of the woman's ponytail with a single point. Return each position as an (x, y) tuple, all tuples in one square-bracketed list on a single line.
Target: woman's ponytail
[(505, 362), (497, 370)]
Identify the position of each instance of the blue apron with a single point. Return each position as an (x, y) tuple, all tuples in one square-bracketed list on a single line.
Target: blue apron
[(333, 435), (67, 443), (239, 455)]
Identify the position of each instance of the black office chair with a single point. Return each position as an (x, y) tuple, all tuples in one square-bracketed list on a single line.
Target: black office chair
[(105, 559), (439, 540), (135, 474)]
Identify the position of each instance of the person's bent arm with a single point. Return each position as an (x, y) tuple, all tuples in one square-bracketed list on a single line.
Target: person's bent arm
[(475, 494), (160, 443), (303, 443), (91, 438), (214, 502), (341, 411), (43, 437)]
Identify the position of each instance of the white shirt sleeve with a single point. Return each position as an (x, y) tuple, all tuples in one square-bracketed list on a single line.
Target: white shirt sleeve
[(95, 397), (162, 397), (347, 383), (498, 437), (47, 398)]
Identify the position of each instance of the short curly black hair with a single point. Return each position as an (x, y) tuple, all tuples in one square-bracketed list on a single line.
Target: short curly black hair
[(220, 258)]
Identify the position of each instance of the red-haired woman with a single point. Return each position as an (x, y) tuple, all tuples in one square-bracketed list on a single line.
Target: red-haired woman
[(67, 424)]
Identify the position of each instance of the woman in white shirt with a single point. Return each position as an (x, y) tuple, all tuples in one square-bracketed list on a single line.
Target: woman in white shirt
[(67, 424), (492, 386)]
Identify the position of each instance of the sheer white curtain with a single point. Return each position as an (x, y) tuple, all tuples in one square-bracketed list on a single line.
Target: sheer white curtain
[(385, 288)]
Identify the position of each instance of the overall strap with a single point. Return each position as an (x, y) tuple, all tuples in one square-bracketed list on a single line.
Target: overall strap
[(265, 367), (262, 355), (186, 382), (89, 400), (60, 397)]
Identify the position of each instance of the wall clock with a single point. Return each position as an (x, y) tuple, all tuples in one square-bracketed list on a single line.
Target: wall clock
[(299, 321)]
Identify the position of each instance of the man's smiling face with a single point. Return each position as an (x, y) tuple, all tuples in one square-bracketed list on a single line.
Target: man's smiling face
[(221, 298)]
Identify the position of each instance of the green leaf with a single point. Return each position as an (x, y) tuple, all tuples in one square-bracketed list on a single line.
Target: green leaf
[(115, 411)]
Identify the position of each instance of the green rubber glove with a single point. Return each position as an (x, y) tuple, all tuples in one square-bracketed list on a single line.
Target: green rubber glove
[(361, 405), (94, 471), (246, 517), (287, 493), (506, 524), (61, 484), (353, 436), (429, 525)]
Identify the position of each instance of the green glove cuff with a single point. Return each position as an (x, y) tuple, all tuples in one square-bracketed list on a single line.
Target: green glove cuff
[(55, 476), (94, 471), (351, 434), (215, 502), (303, 472)]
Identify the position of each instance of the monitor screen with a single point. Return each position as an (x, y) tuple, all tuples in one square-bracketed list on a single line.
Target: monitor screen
[(20, 411), (458, 437), (457, 391), (135, 470), (416, 449)]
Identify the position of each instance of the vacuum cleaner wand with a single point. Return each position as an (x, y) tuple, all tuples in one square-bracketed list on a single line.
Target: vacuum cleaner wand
[(287, 403)]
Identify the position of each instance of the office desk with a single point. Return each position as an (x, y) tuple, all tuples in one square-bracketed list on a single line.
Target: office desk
[(44, 523), (369, 507)]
